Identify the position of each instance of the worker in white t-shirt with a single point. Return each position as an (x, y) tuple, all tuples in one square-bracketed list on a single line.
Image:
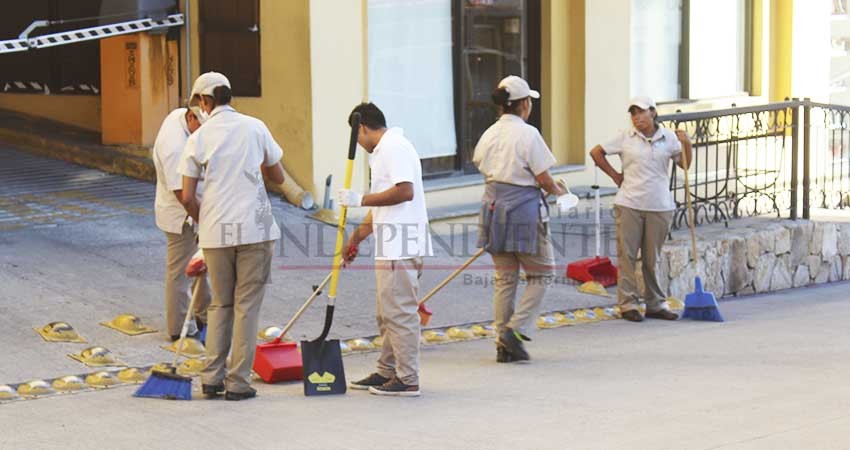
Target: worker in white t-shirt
[(514, 216), (643, 206), (172, 219), (399, 220), (237, 230)]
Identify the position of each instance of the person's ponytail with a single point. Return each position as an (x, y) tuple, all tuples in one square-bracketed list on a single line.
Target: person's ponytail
[(500, 97)]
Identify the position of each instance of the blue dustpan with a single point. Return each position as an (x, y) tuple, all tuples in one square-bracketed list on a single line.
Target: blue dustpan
[(701, 305)]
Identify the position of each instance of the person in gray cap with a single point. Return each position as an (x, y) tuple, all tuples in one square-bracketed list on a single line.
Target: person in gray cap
[(643, 206), (237, 230)]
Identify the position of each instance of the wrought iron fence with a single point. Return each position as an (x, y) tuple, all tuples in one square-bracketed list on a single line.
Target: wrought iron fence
[(826, 151), (745, 162)]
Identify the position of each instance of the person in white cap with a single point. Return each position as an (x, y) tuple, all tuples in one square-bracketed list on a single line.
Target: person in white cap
[(237, 230), (643, 206), (179, 231), (514, 217)]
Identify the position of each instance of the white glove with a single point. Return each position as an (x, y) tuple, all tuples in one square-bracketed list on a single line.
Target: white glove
[(349, 198), (567, 202)]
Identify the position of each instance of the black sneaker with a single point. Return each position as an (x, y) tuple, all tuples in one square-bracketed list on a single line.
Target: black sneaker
[(502, 355), (212, 390), (512, 343), (236, 396), (374, 379), (395, 388), (662, 314), (632, 315)]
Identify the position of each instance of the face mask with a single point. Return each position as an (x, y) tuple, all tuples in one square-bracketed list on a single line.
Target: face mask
[(200, 114)]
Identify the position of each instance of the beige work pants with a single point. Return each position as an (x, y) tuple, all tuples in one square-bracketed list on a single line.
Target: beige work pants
[(645, 231), (178, 251), (397, 286), (238, 276)]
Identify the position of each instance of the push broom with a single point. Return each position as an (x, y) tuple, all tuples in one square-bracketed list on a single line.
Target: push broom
[(699, 305), (425, 313), (167, 384)]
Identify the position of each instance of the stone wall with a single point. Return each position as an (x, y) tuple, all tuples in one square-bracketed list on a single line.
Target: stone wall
[(750, 258)]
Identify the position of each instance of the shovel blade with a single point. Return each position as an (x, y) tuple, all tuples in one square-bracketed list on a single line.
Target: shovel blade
[(276, 362), (324, 373)]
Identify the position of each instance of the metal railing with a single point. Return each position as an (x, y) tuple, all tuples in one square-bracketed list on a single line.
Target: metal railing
[(766, 159)]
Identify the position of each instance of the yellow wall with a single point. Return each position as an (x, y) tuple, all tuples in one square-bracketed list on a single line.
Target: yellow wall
[(285, 105), (81, 111), (563, 78), (781, 20)]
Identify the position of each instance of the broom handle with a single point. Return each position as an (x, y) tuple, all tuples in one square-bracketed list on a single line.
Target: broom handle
[(690, 210), (302, 309), (190, 312), (598, 203), (452, 276)]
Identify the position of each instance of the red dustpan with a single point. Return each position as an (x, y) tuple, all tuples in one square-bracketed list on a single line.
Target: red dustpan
[(277, 360), (598, 268)]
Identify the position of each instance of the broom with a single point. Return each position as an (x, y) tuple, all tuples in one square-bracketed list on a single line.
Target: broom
[(167, 384), (699, 305), (425, 313)]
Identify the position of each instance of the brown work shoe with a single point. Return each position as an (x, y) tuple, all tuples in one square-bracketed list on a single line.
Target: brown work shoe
[(632, 315), (662, 314)]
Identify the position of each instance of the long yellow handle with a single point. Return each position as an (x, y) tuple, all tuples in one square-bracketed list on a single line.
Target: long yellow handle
[(340, 234)]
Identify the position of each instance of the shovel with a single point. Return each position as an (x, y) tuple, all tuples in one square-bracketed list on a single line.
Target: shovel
[(699, 305), (324, 373), (277, 361), (597, 272)]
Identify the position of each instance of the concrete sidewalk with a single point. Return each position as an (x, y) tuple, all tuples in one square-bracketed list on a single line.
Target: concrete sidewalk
[(774, 376)]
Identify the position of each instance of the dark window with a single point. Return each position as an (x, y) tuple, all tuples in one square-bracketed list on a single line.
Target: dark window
[(230, 43)]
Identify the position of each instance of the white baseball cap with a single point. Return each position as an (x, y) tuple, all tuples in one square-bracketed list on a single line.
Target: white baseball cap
[(517, 88), (206, 82), (641, 102)]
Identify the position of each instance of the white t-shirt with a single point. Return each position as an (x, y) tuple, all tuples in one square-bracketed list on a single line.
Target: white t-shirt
[(646, 165), (401, 231), (512, 151), (230, 148), (167, 151)]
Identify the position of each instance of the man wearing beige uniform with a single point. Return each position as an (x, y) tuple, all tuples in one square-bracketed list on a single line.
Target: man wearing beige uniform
[(172, 219), (643, 207), (399, 220), (237, 229)]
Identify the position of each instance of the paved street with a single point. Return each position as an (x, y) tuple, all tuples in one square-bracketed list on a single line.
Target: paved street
[(774, 376)]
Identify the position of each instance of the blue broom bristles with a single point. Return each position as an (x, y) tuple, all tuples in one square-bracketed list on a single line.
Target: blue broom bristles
[(166, 385)]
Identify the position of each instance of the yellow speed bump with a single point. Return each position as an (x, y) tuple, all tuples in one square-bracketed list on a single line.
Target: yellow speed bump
[(190, 367), (593, 288), (360, 345), (269, 333), (460, 334), (344, 348), (435, 336), (191, 348), (7, 393), (69, 383), (675, 303), (548, 321), (132, 375), (59, 332), (161, 367), (378, 342), (128, 324), (102, 380), (483, 330), (96, 357), (35, 388)]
